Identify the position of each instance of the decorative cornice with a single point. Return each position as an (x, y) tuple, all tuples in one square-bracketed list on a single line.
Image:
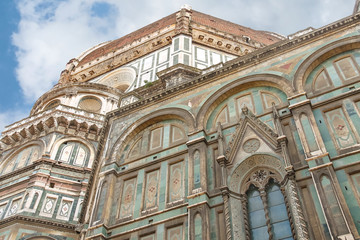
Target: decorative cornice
[(61, 118), (119, 59), (32, 166), (74, 88), (157, 92), (32, 220)]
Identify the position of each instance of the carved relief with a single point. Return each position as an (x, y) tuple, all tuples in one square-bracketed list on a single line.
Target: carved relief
[(255, 161), (127, 200), (251, 145), (176, 187), (340, 128), (151, 190), (175, 233)]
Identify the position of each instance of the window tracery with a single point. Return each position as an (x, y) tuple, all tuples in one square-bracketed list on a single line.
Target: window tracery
[(265, 208)]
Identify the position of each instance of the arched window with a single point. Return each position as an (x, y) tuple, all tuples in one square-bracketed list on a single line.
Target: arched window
[(73, 153), (91, 104), (21, 159), (267, 213)]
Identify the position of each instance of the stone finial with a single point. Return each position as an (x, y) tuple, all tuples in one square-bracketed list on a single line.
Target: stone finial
[(186, 6)]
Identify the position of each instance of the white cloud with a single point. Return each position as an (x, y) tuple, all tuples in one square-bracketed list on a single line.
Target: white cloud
[(51, 32), (11, 116)]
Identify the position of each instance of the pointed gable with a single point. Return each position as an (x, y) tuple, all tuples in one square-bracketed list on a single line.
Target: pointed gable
[(251, 135)]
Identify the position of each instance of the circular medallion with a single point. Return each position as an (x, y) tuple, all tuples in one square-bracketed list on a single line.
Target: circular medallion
[(251, 145)]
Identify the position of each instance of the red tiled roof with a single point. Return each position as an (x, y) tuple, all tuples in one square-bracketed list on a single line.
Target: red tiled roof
[(197, 17), (232, 28), (127, 39)]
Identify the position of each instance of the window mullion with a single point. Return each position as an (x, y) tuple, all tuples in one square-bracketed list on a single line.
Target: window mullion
[(244, 202), (266, 209)]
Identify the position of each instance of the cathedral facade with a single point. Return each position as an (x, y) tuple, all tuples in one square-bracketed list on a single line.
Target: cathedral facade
[(193, 128)]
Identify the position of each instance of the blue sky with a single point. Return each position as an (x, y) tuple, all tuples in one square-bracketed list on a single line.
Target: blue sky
[(38, 37)]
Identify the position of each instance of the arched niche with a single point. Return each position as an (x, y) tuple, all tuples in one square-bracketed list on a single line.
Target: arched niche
[(52, 104), (120, 79), (335, 72), (21, 158), (238, 88), (157, 136), (90, 103), (80, 152), (237, 180), (258, 99), (130, 134), (320, 56), (258, 201)]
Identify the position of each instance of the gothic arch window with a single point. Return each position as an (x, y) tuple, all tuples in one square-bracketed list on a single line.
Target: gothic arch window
[(73, 153), (90, 104), (266, 208), (23, 158)]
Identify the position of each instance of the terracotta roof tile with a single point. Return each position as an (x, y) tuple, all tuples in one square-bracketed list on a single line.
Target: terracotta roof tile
[(232, 28), (197, 17), (127, 39)]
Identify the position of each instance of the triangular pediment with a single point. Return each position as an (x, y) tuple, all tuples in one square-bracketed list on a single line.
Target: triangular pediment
[(251, 136)]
